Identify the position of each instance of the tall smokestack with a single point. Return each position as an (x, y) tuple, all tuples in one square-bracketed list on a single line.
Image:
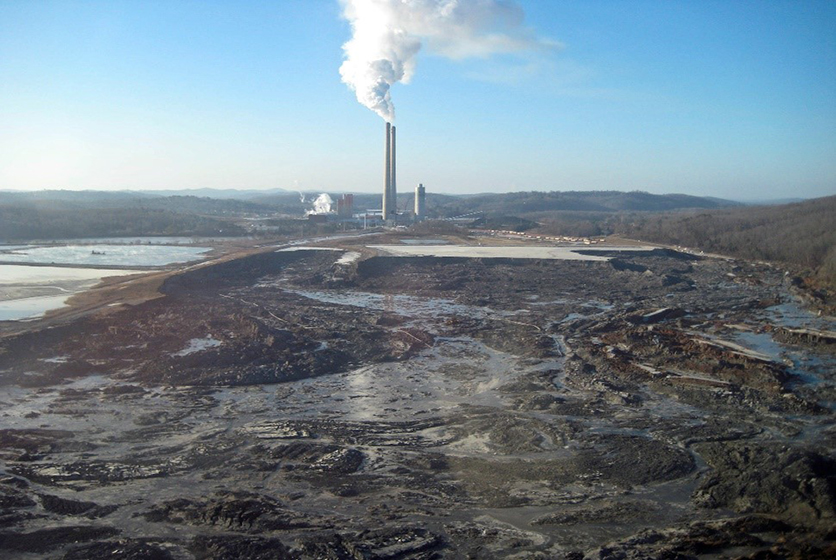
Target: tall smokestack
[(393, 190), (387, 177)]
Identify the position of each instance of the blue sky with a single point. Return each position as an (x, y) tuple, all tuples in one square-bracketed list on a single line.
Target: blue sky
[(728, 98)]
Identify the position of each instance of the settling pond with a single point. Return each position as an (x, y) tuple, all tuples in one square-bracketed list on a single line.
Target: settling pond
[(104, 254), (27, 292), (28, 289)]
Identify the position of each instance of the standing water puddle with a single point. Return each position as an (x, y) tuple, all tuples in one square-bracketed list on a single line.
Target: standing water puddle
[(405, 305)]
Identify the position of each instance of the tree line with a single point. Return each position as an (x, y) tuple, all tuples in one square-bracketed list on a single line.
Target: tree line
[(800, 234), (20, 223)]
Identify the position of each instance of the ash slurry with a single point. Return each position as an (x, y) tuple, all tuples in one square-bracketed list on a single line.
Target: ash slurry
[(426, 407)]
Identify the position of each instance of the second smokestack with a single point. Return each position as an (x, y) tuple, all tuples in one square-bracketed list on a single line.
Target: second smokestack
[(393, 189), (390, 191), (387, 173)]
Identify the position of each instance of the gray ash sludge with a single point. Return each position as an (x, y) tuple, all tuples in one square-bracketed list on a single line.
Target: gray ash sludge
[(430, 407)]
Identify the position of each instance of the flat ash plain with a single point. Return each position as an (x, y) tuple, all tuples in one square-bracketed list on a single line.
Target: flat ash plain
[(299, 404)]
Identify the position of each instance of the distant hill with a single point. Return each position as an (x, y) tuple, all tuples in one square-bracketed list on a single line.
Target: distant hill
[(63, 194), (216, 201), (72, 200), (19, 223), (36, 214), (205, 205), (79, 198), (241, 194), (532, 204), (74, 214)]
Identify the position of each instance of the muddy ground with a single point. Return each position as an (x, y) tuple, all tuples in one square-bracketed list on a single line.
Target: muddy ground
[(658, 405)]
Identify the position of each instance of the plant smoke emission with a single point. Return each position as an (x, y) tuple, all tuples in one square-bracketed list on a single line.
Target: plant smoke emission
[(388, 34), (322, 204)]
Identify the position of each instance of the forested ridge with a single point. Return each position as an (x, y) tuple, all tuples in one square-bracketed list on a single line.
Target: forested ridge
[(20, 223), (527, 204), (801, 234), (531, 204), (73, 200)]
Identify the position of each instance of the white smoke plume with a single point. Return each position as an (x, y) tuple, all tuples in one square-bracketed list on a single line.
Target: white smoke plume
[(387, 35), (322, 204)]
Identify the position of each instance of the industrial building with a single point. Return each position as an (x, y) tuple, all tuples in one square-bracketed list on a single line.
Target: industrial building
[(345, 206)]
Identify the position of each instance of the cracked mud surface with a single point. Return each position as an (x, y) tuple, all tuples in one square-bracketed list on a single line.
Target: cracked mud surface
[(285, 406)]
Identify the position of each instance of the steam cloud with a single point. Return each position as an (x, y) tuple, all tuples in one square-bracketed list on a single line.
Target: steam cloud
[(387, 35), (322, 204)]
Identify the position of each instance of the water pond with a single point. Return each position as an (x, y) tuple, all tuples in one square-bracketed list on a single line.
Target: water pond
[(30, 308), (105, 255), (27, 292)]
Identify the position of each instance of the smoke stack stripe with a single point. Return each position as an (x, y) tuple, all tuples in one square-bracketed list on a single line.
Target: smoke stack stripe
[(387, 172), (393, 190)]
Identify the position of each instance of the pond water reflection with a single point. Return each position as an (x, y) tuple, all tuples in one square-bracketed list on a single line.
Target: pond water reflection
[(105, 255)]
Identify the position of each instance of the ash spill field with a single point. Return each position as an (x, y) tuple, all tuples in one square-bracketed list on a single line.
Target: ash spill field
[(300, 405)]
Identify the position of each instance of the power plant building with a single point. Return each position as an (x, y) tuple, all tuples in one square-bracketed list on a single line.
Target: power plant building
[(345, 206)]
